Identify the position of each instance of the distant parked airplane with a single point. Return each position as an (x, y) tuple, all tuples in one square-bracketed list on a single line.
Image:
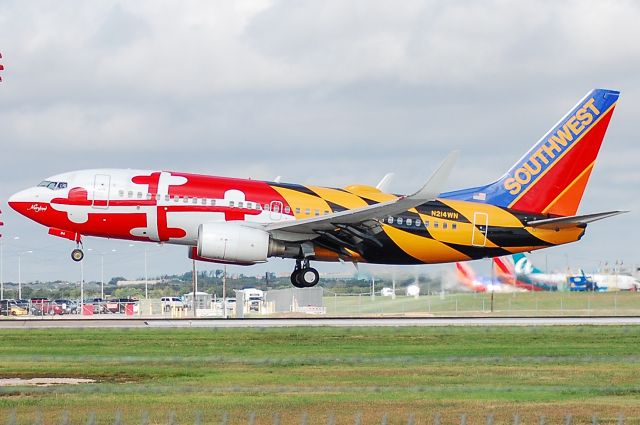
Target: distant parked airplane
[(468, 278), (528, 273), (226, 220)]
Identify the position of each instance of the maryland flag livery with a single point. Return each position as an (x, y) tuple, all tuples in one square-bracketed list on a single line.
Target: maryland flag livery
[(235, 221)]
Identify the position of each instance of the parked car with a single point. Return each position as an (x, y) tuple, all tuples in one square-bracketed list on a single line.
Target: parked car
[(23, 303), (26, 304), (10, 307), (42, 306), (171, 302), (99, 305), (118, 305), (69, 306)]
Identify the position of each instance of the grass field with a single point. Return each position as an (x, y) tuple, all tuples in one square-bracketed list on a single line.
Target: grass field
[(324, 375), (522, 303)]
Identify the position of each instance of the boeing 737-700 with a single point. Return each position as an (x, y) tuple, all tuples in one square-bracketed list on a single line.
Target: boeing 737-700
[(238, 221)]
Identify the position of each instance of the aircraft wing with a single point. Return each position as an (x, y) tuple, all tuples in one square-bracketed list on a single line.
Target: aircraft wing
[(571, 221), (429, 191)]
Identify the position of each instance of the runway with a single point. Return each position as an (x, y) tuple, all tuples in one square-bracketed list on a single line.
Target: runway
[(319, 322)]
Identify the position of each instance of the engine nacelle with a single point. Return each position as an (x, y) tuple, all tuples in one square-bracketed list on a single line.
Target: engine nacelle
[(234, 243)]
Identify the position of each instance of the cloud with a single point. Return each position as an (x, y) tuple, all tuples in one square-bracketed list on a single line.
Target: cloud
[(327, 92)]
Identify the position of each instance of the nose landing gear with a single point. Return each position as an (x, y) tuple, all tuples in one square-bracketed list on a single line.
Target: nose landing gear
[(303, 275), (77, 254)]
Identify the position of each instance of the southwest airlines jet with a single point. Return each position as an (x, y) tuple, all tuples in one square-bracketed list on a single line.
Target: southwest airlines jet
[(236, 221)]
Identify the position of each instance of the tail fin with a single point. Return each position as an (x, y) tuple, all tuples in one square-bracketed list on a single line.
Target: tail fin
[(467, 277), (523, 265), (504, 268), (465, 273), (551, 177)]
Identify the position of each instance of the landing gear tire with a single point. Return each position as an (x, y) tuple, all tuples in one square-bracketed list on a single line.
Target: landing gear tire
[(294, 279), (77, 255), (308, 277)]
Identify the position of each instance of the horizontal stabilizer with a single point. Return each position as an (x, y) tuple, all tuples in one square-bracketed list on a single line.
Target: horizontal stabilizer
[(572, 221)]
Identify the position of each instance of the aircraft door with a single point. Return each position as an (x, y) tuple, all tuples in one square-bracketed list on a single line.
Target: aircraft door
[(276, 210), (101, 184), (480, 229)]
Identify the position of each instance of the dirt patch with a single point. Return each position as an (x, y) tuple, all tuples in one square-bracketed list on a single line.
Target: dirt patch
[(43, 382)]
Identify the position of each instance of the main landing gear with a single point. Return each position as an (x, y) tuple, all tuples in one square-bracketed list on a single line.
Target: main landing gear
[(303, 275)]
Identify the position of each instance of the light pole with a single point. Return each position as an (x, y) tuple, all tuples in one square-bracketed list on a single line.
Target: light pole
[(102, 275), (146, 277), (101, 272), (1, 265), (81, 286), (224, 293), (20, 272), (195, 287), (373, 287)]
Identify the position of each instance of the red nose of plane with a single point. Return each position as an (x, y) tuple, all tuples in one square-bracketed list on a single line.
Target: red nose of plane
[(24, 201)]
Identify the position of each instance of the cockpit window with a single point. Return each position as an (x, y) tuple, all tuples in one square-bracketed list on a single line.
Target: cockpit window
[(53, 185)]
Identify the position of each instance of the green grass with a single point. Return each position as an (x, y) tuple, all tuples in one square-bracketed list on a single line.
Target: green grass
[(523, 303), (531, 371)]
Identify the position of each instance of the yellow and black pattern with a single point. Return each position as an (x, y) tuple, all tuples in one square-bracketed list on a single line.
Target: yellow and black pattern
[(442, 230)]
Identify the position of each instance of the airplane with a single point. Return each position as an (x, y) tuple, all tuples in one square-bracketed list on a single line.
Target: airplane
[(527, 272), (508, 269), (467, 277), (239, 221)]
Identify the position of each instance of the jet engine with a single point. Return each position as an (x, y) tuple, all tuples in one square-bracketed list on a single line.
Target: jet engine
[(235, 243)]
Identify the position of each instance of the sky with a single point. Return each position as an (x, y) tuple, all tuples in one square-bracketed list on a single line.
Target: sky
[(329, 93)]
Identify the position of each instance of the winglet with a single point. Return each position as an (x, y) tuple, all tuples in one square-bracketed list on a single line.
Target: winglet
[(433, 187), (383, 186)]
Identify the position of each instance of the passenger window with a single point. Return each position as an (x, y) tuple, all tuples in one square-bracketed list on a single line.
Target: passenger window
[(435, 224), (287, 210), (317, 212), (399, 220), (418, 222), (176, 198), (121, 193), (213, 202), (185, 199), (195, 200), (149, 196), (297, 210), (204, 201), (266, 207), (130, 194), (390, 220), (409, 222), (444, 225), (259, 207), (307, 211), (250, 205), (426, 224), (167, 197), (454, 226), (232, 204), (240, 204)]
